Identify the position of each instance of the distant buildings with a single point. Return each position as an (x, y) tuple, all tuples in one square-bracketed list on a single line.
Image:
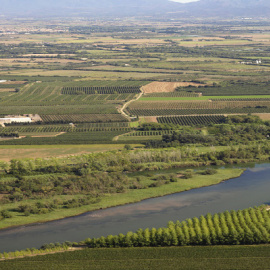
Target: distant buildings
[(258, 62), (9, 120)]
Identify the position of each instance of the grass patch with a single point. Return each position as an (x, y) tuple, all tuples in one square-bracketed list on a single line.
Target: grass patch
[(8, 152), (134, 124), (139, 138)]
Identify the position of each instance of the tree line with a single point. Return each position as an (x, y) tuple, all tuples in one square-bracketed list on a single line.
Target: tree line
[(243, 227)]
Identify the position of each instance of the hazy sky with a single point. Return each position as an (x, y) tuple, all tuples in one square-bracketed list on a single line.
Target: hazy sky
[(185, 1)]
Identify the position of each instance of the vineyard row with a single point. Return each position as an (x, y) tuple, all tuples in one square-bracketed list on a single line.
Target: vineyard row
[(240, 99), (172, 94), (148, 133), (161, 112), (83, 118), (205, 104), (99, 90), (192, 120), (60, 129)]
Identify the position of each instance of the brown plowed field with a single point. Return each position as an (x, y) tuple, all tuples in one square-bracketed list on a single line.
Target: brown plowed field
[(7, 90), (150, 119), (263, 116), (165, 87)]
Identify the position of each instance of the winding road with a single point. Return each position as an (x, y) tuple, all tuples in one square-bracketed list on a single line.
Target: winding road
[(128, 103)]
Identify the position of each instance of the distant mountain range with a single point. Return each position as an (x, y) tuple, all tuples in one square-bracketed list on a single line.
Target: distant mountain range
[(124, 8)]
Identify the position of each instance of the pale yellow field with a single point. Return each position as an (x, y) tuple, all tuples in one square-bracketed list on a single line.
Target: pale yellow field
[(92, 75), (6, 90), (263, 116), (165, 87)]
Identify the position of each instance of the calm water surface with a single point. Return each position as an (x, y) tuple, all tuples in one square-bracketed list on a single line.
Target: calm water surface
[(250, 189)]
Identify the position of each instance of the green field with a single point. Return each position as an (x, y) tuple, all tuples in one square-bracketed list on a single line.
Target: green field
[(47, 98), (188, 107), (84, 137), (205, 98), (167, 258), (8, 152), (139, 138)]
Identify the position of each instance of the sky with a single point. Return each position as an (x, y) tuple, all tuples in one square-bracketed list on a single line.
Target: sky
[(184, 1)]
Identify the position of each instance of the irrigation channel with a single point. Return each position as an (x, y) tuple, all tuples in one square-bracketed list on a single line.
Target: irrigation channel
[(250, 189)]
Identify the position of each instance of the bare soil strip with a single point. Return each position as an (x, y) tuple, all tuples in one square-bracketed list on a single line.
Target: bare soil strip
[(150, 119), (14, 82), (49, 136)]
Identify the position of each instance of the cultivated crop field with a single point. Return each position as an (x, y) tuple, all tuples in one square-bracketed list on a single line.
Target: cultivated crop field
[(83, 118), (163, 95), (60, 109), (243, 89), (114, 126), (83, 136), (216, 258), (99, 90), (45, 94), (193, 97), (192, 120), (81, 77), (173, 107), (56, 98)]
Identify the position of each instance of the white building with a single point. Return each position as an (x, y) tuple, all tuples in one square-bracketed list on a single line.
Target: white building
[(15, 120)]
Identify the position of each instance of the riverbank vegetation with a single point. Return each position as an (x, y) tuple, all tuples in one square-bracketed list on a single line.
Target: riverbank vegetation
[(59, 196)]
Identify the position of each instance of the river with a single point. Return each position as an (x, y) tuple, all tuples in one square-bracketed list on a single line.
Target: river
[(250, 189)]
